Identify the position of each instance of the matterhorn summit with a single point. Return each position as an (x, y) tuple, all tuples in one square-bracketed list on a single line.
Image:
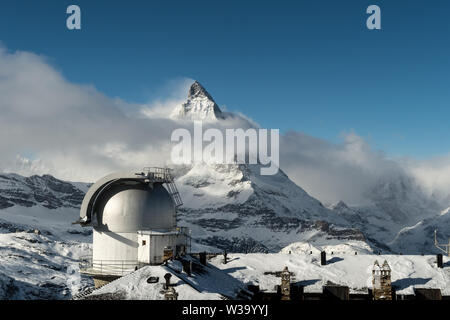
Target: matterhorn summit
[(199, 106)]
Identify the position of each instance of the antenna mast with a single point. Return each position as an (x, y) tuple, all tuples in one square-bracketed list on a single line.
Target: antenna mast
[(443, 247)]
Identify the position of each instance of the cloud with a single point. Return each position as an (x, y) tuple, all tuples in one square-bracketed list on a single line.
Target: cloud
[(352, 170), (333, 172), (75, 132), (173, 94), (433, 174)]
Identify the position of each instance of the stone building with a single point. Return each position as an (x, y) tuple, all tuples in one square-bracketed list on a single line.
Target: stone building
[(285, 284), (381, 281)]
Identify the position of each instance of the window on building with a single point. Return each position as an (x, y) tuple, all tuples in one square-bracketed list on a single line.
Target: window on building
[(144, 242)]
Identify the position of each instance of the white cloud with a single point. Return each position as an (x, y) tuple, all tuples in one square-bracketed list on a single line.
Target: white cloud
[(71, 130), (333, 172), (160, 109), (349, 170), (74, 131), (433, 174), (77, 133)]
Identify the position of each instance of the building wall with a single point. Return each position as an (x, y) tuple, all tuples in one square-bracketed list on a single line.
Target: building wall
[(151, 246), (112, 246), (144, 248), (120, 250), (159, 242), (382, 288)]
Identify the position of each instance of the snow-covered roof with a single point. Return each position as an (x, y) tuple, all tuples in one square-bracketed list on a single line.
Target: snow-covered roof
[(355, 271), (211, 284), (225, 280)]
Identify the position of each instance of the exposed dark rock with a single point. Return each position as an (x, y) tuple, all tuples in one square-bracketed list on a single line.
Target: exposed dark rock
[(232, 194), (219, 224), (38, 190), (244, 245)]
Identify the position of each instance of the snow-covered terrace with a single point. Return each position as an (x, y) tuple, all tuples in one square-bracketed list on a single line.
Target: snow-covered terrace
[(210, 284)]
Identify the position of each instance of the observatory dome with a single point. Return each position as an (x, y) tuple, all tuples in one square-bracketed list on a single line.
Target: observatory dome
[(131, 206)]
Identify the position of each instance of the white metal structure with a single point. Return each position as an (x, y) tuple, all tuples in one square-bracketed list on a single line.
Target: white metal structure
[(134, 220), (443, 247)]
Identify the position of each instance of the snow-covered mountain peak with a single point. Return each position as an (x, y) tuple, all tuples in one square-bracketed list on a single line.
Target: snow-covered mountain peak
[(341, 205), (200, 105), (234, 207), (198, 91)]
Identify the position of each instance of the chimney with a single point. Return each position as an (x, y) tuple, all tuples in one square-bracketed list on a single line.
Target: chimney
[(439, 261), (323, 258), (171, 294), (187, 266), (202, 256), (285, 284), (167, 276), (381, 281)]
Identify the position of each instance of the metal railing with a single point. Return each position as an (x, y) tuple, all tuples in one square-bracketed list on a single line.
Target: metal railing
[(164, 175), (108, 267), (158, 174)]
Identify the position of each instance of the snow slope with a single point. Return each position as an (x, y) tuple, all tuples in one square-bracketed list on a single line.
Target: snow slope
[(350, 247), (420, 237), (233, 207), (41, 264), (401, 217)]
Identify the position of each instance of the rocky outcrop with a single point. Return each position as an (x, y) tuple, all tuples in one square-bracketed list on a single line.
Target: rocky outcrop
[(43, 190)]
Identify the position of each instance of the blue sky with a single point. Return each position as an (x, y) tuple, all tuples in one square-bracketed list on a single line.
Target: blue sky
[(311, 66)]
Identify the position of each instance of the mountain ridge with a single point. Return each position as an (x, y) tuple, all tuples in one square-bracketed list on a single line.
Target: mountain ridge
[(234, 207)]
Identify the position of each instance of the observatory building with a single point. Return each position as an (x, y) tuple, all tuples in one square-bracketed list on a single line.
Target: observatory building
[(134, 222)]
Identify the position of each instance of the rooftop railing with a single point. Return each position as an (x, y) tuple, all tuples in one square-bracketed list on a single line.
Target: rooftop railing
[(164, 175), (108, 267)]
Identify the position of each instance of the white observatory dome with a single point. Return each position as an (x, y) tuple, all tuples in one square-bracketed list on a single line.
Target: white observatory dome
[(132, 206), (134, 221), (131, 202)]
